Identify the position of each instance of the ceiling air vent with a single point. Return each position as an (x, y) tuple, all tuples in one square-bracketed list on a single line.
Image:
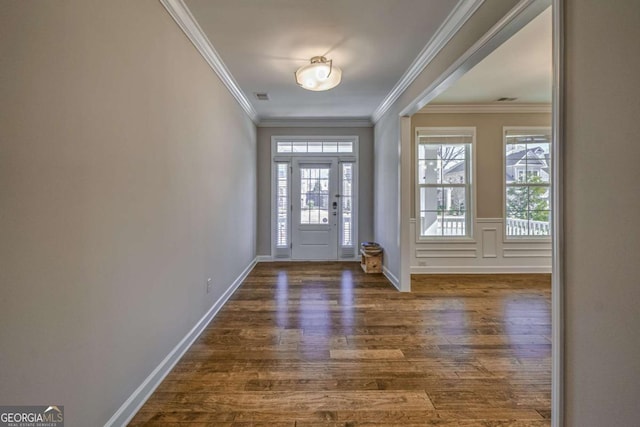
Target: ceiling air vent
[(262, 96), (505, 99)]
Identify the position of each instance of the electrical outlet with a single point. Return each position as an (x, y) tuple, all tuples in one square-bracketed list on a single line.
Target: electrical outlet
[(209, 285), (422, 263)]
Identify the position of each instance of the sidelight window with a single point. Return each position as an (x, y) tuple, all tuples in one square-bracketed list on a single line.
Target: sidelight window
[(282, 205)]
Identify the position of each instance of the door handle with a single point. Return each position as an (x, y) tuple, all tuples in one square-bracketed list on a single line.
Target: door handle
[(335, 205)]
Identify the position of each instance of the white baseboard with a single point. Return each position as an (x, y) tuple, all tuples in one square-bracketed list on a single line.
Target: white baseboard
[(391, 277), (464, 269), (132, 405), (269, 258)]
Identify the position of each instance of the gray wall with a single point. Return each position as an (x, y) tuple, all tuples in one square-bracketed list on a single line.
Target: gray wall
[(127, 177), (365, 177), (602, 206), (387, 147)]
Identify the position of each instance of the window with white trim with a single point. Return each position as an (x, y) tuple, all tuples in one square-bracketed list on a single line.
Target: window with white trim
[(527, 176), (444, 181), (314, 147), (282, 205), (346, 197)]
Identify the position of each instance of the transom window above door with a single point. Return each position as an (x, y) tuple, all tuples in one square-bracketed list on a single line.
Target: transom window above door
[(314, 146)]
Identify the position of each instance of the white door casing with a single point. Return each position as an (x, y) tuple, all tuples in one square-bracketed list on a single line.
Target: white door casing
[(316, 176)]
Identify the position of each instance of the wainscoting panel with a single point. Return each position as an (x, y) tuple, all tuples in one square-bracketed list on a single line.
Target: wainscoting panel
[(487, 252), (489, 242), (446, 253), (526, 252)]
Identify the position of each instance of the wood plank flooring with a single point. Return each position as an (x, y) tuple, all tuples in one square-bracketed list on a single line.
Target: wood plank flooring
[(306, 344)]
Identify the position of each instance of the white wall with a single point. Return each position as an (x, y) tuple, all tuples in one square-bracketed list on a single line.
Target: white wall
[(127, 177), (365, 177), (602, 205), (388, 150)]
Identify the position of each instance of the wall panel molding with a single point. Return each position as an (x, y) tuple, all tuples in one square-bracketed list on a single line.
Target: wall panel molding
[(527, 252), (445, 253), (488, 253), (489, 242)]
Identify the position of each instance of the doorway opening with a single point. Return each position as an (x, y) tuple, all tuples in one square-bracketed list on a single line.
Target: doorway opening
[(524, 229)]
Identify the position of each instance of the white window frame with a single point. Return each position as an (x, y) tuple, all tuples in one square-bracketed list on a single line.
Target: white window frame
[(316, 140), (288, 157), (354, 210), (277, 249), (529, 238), (471, 185)]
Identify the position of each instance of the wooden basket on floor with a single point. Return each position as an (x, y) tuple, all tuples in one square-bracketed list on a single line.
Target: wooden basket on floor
[(371, 263)]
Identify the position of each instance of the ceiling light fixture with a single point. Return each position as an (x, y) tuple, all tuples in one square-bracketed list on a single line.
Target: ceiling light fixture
[(319, 75)]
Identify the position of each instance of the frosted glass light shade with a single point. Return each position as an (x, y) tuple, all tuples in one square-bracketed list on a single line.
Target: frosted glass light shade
[(319, 75)]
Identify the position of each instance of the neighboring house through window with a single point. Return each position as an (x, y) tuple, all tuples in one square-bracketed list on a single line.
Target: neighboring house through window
[(527, 171)]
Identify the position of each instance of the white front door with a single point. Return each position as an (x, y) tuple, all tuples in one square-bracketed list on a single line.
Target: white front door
[(315, 209)]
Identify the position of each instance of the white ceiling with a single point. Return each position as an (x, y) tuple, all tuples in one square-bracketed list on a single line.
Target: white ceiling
[(263, 42), (520, 68)]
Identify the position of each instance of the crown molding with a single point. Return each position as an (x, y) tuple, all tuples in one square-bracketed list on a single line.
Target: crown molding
[(485, 108), (456, 19), (347, 122), (507, 26), (185, 20)]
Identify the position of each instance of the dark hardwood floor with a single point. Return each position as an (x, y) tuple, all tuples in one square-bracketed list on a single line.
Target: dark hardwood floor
[(305, 344)]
